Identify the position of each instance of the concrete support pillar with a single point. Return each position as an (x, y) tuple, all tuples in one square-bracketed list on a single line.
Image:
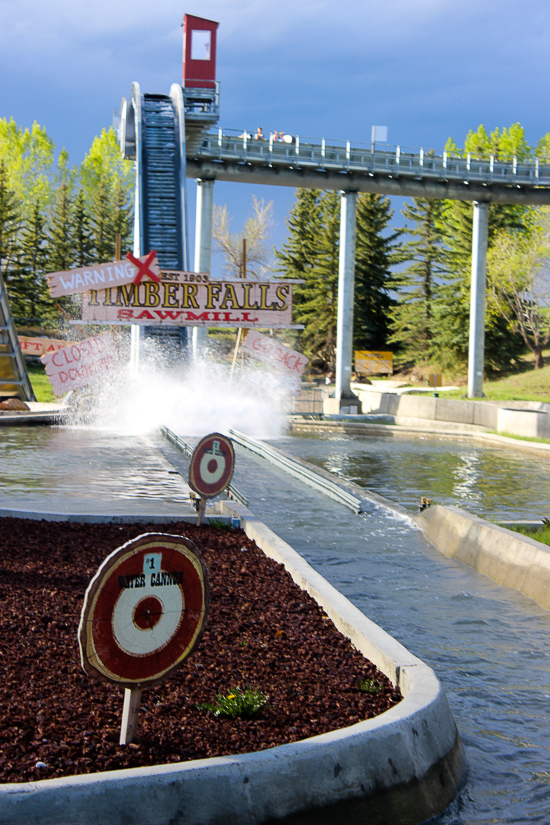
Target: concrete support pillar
[(346, 286), (203, 249), (477, 299)]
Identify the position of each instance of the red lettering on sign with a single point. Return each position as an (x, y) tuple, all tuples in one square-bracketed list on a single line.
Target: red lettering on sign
[(190, 316), (168, 314)]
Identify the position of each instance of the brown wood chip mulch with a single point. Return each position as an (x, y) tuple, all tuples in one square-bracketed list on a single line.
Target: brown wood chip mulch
[(263, 632)]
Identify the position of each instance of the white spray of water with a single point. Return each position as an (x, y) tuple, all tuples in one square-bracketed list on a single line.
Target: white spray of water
[(192, 401)]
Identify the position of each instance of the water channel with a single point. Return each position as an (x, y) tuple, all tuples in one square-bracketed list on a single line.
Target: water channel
[(489, 646)]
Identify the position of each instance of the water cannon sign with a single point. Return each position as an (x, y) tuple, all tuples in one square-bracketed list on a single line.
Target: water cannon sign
[(144, 611), (272, 352), (80, 363)]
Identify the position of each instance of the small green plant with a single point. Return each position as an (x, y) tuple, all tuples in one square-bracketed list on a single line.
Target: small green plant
[(369, 686), (236, 703), (220, 524)]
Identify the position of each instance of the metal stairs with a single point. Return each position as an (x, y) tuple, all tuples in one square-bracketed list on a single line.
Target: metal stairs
[(14, 379)]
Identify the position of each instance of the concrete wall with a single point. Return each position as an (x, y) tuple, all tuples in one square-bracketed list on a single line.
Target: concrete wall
[(404, 766), (527, 423), (406, 408), (508, 558)]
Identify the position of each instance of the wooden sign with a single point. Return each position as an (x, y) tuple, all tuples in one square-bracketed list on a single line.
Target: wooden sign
[(373, 363), (40, 346), (80, 363), (211, 466), (268, 349), (144, 613), (144, 610), (189, 299), (98, 276)]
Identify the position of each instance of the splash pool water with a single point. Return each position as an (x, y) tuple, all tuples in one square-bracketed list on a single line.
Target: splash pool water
[(489, 646)]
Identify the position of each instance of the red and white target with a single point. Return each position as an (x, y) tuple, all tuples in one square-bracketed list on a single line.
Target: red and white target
[(211, 466), (144, 610)]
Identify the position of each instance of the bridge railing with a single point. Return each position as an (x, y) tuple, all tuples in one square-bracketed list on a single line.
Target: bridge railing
[(298, 151)]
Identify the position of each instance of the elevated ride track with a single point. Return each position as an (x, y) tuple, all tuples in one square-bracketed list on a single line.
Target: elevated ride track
[(169, 139), (369, 168)]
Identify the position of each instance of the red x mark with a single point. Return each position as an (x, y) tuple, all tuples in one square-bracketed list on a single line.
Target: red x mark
[(143, 266)]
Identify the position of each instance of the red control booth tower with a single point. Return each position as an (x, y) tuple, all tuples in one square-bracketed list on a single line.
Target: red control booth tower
[(199, 52), (200, 87)]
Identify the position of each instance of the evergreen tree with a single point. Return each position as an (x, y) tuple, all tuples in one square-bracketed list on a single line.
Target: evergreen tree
[(452, 312), (298, 255), (99, 208), (60, 246), (27, 284), (413, 317), (317, 303), (122, 218), (376, 251), (107, 183), (311, 253), (81, 233), (9, 222)]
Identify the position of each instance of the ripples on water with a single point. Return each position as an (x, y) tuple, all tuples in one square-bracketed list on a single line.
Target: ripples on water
[(490, 646), (493, 482), (62, 468)]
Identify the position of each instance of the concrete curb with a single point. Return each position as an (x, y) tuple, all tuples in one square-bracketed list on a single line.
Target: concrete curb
[(404, 766), (508, 558), (109, 518)]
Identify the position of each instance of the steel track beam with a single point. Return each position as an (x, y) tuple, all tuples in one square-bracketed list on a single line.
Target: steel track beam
[(357, 182)]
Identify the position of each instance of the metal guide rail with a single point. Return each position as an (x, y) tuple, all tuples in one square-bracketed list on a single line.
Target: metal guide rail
[(187, 450), (373, 159), (298, 470)]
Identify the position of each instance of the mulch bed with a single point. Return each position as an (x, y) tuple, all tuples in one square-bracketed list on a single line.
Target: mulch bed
[(263, 631)]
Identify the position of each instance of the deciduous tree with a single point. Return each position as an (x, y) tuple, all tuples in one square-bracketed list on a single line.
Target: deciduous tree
[(255, 231), (519, 286)]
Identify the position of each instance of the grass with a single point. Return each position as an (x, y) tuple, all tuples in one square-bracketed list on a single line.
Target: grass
[(541, 534), (525, 383), (40, 383), (236, 702), (521, 437)]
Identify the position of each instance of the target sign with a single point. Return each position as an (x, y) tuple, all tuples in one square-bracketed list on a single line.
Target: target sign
[(211, 467), (144, 610)]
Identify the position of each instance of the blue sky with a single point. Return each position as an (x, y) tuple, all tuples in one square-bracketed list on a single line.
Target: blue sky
[(427, 69)]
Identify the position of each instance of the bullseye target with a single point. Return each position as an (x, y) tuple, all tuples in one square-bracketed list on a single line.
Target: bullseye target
[(211, 466), (144, 610)]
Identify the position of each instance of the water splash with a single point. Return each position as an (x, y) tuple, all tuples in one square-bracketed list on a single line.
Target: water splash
[(191, 399)]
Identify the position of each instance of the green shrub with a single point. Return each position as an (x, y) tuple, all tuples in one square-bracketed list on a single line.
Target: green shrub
[(369, 686), (236, 703)]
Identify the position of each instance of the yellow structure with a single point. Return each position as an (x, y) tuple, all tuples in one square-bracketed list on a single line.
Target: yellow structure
[(368, 362)]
